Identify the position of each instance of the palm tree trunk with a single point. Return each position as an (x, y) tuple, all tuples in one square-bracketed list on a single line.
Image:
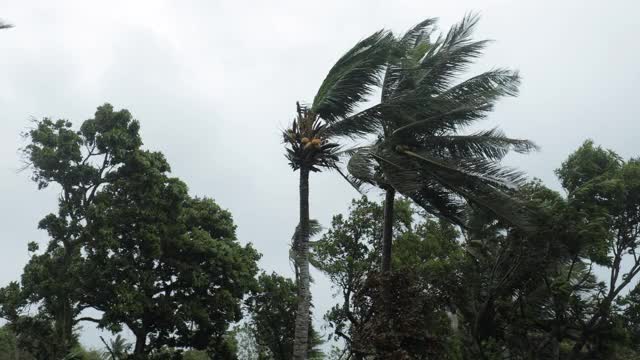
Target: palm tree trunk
[(387, 233), (301, 337)]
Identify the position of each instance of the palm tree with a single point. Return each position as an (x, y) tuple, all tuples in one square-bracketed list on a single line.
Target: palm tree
[(117, 348), (311, 144), (420, 150)]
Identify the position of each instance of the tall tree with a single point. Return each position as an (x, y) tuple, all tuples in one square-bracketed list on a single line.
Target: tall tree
[(311, 144), (421, 150), (167, 266), (78, 162), (604, 187), (127, 240)]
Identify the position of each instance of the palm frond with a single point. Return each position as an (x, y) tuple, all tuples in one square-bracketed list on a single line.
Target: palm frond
[(314, 229), (479, 182), (471, 170), (408, 51), (419, 32), (440, 117), (485, 87), (353, 77), (404, 175), (362, 166), (489, 144), (356, 183), (357, 125), (449, 56)]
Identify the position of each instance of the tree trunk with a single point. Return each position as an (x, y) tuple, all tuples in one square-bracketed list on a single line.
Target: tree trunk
[(301, 337), (67, 325), (387, 233), (555, 348), (139, 349)]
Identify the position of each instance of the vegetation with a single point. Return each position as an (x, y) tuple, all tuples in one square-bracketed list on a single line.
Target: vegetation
[(127, 241), (464, 258), (493, 288), (420, 150)]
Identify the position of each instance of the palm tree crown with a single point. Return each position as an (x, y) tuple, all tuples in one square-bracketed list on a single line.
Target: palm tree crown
[(421, 150), (311, 138)]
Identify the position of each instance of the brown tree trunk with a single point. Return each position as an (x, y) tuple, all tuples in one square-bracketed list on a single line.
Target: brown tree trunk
[(139, 349), (301, 337), (387, 233)]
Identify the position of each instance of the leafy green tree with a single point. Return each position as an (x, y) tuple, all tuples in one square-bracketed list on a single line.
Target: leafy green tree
[(631, 317), (127, 240), (272, 310), (348, 253), (536, 294), (30, 338), (163, 264), (521, 293), (396, 322), (311, 144), (603, 186), (78, 162), (8, 344), (420, 149)]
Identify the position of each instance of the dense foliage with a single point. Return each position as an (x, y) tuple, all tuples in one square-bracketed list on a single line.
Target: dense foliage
[(127, 241), (492, 290)]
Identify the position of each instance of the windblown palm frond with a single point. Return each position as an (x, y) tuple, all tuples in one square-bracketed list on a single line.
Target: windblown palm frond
[(449, 56), (353, 77), (408, 52), (421, 150), (362, 166), (443, 186), (314, 230)]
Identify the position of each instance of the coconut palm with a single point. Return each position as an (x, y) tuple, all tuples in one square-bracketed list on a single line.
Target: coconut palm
[(117, 349), (421, 150), (311, 143)]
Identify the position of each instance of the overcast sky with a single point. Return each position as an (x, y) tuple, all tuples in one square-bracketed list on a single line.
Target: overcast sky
[(214, 82)]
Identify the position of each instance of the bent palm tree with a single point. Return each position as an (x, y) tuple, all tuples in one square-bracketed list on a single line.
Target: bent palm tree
[(420, 151), (310, 144)]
